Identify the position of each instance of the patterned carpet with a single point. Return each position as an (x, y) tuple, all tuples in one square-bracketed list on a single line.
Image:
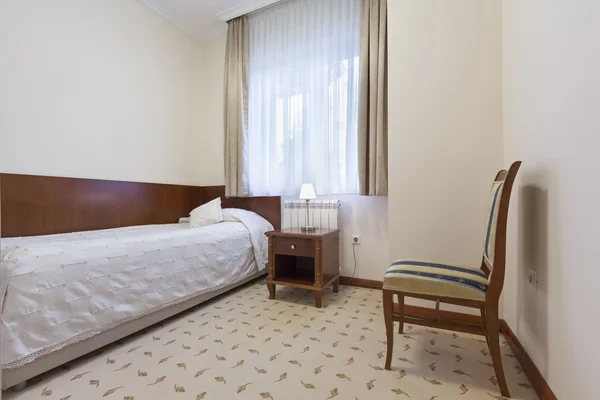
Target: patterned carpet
[(245, 346)]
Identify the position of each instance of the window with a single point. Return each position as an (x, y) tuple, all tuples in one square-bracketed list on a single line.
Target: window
[(303, 67)]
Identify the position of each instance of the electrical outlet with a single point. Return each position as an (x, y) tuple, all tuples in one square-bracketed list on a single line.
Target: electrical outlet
[(356, 239), (532, 278)]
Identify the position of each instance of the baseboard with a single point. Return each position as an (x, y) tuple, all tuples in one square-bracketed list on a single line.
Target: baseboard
[(461, 320), (364, 283), (531, 370)]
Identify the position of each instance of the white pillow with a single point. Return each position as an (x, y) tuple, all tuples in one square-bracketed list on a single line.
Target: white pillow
[(207, 214)]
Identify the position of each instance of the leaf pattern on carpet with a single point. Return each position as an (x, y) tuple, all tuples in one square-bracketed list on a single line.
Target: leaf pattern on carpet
[(244, 345)]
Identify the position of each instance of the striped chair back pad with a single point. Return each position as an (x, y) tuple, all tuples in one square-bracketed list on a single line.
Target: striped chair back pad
[(492, 221)]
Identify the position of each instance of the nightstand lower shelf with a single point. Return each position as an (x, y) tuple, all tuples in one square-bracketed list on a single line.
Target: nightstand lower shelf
[(302, 284)]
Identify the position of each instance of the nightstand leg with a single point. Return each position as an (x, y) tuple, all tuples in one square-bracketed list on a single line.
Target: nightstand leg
[(271, 287), (336, 285), (318, 298)]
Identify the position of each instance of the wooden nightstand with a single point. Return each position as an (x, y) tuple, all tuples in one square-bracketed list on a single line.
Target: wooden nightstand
[(306, 260)]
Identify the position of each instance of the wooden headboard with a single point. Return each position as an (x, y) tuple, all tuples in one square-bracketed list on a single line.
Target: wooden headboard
[(39, 205)]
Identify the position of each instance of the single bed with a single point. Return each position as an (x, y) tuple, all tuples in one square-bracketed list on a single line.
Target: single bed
[(68, 294)]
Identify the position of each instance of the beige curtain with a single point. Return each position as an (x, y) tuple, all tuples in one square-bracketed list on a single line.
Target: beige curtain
[(236, 108), (372, 115)]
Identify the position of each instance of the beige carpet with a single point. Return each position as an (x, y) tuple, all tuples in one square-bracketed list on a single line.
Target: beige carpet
[(245, 346)]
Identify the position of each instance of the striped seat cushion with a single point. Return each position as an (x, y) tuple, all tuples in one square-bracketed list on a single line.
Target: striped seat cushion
[(436, 279)]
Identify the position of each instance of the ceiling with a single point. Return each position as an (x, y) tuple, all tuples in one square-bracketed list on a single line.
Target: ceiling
[(204, 20)]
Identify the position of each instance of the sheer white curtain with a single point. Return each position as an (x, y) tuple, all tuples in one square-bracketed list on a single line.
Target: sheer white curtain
[(303, 68)]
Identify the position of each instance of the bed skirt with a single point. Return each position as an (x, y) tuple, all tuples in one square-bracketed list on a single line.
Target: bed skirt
[(14, 376)]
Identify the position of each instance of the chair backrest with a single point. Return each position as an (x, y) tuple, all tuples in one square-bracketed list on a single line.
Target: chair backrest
[(494, 250)]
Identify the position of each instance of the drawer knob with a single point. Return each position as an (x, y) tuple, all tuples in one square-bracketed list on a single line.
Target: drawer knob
[(293, 246)]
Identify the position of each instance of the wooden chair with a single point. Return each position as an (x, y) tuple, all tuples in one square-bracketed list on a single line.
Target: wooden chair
[(470, 287)]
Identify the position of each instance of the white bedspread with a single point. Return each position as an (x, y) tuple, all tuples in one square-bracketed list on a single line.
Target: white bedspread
[(64, 288)]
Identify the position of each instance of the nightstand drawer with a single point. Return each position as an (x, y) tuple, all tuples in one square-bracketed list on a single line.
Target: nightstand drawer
[(294, 247)]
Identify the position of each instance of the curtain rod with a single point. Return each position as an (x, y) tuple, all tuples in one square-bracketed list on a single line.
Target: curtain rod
[(253, 7)]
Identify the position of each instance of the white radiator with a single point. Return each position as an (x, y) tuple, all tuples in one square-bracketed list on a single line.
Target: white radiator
[(322, 213)]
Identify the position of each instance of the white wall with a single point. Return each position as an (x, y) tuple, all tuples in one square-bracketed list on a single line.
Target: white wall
[(366, 216), (445, 126), (552, 123), (97, 89), (209, 163)]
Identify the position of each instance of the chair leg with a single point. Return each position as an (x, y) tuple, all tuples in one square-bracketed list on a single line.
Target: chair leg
[(400, 312), (491, 316), (388, 309), (482, 308)]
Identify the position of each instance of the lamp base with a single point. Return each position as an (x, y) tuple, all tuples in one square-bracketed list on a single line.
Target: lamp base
[(308, 228)]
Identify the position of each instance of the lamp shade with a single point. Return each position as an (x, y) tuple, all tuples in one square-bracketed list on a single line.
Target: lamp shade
[(307, 192)]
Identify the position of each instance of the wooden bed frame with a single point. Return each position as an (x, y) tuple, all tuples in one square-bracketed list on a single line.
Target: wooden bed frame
[(33, 205)]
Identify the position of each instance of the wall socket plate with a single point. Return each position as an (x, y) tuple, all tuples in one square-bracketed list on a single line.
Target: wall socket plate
[(532, 278), (355, 239)]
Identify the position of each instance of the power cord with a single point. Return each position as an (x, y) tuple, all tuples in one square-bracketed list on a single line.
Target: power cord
[(354, 254)]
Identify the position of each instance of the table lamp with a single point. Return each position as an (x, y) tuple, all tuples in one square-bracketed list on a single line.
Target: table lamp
[(307, 192)]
